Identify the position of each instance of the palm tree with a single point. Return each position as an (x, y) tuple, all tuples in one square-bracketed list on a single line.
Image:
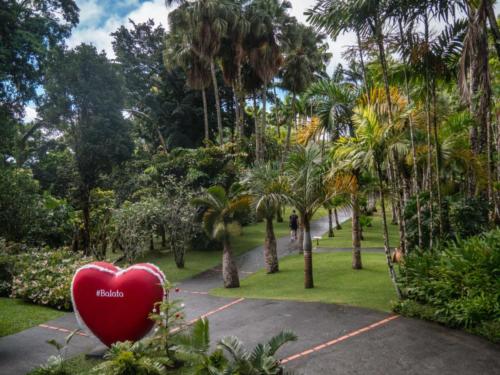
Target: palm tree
[(332, 205), (307, 193), (219, 210), (334, 102), (368, 150), (233, 56), (205, 22), (344, 176), (178, 53), (266, 18), (268, 191), (306, 58)]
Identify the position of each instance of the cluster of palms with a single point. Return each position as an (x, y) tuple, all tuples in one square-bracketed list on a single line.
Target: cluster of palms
[(255, 44), (394, 126), (266, 188)]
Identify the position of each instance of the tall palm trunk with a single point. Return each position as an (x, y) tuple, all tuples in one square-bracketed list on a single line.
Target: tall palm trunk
[(383, 64), (356, 233), (363, 69), (263, 122), (336, 215), (398, 199), (270, 252), (229, 269), (237, 116), (428, 124), (257, 128), (437, 160), (205, 116), (217, 102), (289, 130), (416, 189), (387, 248), (300, 236), (308, 265), (278, 117), (330, 223)]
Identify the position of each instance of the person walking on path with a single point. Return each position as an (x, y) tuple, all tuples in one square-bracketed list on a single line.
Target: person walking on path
[(294, 225)]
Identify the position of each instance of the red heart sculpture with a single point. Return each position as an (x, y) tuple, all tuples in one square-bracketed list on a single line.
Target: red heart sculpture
[(115, 304)]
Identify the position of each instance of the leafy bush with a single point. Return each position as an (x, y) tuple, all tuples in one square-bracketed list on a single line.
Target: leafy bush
[(469, 217), (202, 167), (44, 277), (457, 285), (134, 224)]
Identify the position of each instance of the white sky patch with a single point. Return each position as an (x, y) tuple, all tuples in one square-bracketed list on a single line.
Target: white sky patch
[(30, 113), (90, 12)]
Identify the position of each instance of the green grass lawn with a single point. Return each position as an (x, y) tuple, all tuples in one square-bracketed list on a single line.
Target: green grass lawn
[(17, 315), (335, 282), (374, 235), (196, 262)]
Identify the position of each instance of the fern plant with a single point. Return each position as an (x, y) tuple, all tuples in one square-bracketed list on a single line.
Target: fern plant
[(261, 360)]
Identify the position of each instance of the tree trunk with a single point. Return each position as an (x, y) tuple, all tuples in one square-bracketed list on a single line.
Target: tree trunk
[(308, 265), (289, 130), (493, 26), (363, 69), (151, 243), (429, 146), (257, 128), (356, 233), (263, 122), (278, 117), (330, 223), (438, 164), (217, 102), (242, 117), (383, 64), (270, 251), (163, 237), (237, 116), (229, 269), (394, 220), (416, 188), (300, 239), (336, 215), (387, 248), (178, 254), (205, 117)]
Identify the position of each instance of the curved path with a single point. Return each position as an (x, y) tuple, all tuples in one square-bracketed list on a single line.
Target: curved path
[(333, 339)]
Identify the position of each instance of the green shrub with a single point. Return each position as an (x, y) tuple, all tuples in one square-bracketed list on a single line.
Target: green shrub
[(469, 217), (44, 277), (457, 285)]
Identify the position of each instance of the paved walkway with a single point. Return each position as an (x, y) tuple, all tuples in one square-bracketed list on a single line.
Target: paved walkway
[(333, 339)]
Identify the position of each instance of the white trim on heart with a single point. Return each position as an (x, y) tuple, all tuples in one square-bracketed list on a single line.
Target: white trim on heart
[(157, 273)]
